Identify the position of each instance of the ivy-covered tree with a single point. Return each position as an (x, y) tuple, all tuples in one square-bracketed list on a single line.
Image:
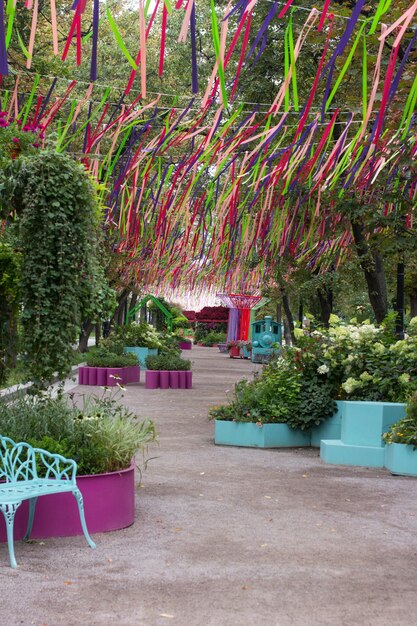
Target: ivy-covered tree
[(61, 279)]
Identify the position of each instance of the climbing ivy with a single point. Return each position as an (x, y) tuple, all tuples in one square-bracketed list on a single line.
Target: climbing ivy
[(60, 277), (9, 305)]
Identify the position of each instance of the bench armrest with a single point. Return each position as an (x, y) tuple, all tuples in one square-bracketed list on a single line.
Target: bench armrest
[(56, 465)]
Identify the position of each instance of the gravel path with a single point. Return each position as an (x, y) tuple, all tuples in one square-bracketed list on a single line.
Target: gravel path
[(229, 536)]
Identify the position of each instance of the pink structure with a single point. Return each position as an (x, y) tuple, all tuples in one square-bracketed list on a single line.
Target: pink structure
[(240, 306), (109, 504)]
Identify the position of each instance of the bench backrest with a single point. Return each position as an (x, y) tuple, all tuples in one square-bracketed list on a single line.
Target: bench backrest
[(20, 461), (17, 461)]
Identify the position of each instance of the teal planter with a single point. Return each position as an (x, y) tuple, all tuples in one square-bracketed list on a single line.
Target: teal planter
[(142, 353), (248, 434), (361, 441), (247, 353), (331, 428), (401, 459)]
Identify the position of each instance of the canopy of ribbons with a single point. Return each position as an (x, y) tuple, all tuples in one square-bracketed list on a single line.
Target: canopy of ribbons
[(212, 192)]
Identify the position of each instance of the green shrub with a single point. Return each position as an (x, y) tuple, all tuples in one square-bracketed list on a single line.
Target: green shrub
[(213, 338), (101, 435), (100, 357), (164, 362), (138, 335)]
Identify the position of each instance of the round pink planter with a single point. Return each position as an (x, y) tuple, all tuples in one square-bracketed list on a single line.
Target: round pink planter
[(81, 375), (164, 379), (174, 379), (183, 379), (152, 379), (91, 375), (109, 504), (188, 379), (102, 376), (185, 345), (132, 374)]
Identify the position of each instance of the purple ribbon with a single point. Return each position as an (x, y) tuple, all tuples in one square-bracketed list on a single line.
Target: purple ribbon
[(4, 69), (233, 325), (96, 18), (194, 65)]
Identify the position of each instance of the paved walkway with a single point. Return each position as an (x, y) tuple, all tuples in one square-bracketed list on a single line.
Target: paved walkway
[(229, 536)]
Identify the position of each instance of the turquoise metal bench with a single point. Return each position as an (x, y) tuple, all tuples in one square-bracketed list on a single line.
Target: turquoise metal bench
[(19, 465)]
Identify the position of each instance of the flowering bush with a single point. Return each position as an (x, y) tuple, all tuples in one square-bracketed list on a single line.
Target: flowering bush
[(362, 362), (139, 335), (346, 361), (232, 343)]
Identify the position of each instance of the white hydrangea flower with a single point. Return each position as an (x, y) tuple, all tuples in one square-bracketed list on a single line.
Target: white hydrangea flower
[(323, 369), (404, 379), (351, 384)]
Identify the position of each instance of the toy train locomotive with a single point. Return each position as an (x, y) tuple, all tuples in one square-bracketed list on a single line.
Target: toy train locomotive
[(266, 339)]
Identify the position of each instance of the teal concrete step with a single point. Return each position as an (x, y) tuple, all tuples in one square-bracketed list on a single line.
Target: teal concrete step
[(338, 453)]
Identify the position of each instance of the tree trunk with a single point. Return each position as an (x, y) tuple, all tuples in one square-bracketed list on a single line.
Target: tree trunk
[(86, 330), (133, 301), (98, 333), (325, 299), (119, 315), (278, 314), (372, 264), (413, 305), (289, 332)]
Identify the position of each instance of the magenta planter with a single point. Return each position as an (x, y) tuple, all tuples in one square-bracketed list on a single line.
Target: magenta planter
[(114, 376), (164, 379), (102, 376), (109, 503), (81, 375), (234, 352), (91, 375), (152, 379), (188, 380), (185, 345), (183, 380), (132, 374), (108, 376), (174, 379)]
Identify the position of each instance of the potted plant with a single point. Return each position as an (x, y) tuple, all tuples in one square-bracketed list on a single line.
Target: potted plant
[(401, 440), (102, 436), (185, 343), (140, 339), (106, 368), (168, 371), (233, 348), (267, 411), (245, 349)]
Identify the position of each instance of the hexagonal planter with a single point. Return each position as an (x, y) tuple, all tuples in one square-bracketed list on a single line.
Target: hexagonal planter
[(330, 428), (141, 354), (248, 434), (401, 459)]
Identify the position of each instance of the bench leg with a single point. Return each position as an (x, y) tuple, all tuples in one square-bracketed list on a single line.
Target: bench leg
[(32, 505), (9, 511), (78, 496)]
